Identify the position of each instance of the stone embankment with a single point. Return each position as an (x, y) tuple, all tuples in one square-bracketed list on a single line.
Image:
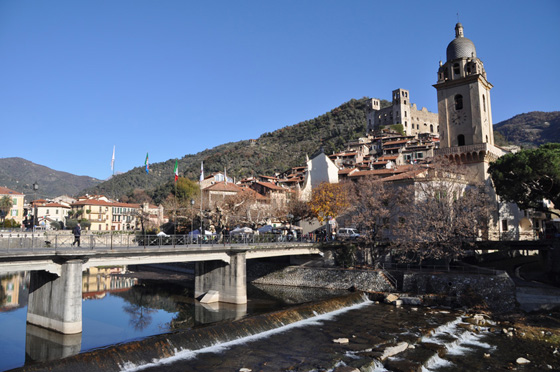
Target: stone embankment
[(495, 292)]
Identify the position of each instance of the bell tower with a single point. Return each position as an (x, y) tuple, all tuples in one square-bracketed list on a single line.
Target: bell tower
[(463, 94)]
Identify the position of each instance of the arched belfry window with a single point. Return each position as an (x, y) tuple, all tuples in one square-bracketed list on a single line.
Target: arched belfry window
[(458, 102), (460, 140)]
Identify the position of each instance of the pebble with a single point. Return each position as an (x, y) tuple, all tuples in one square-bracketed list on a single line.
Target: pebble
[(245, 370), (522, 361), (341, 341)]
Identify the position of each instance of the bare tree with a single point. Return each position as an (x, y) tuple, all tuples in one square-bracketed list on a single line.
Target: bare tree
[(444, 219), (376, 207)]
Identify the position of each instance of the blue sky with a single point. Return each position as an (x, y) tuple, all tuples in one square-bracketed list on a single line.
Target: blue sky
[(176, 77)]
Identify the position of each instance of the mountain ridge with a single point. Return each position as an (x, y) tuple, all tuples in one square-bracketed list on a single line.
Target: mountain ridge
[(275, 151)]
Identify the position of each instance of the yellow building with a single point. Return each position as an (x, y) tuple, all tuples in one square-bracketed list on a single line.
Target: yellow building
[(106, 215), (16, 213)]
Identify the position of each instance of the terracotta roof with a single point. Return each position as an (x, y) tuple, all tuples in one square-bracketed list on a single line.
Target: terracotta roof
[(382, 172), (400, 142), (56, 205), (104, 203), (252, 192), (222, 186), (7, 191), (403, 176), (346, 170), (394, 157), (270, 185)]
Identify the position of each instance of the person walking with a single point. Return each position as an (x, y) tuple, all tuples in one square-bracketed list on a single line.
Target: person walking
[(77, 232)]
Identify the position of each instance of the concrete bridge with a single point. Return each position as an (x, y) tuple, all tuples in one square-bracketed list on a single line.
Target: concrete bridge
[(55, 290)]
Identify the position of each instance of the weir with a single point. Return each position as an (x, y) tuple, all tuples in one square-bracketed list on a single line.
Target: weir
[(186, 343)]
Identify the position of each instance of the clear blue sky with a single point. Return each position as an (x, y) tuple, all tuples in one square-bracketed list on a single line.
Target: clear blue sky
[(176, 77)]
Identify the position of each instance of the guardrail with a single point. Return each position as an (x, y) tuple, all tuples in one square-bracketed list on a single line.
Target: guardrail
[(35, 242), (441, 268)]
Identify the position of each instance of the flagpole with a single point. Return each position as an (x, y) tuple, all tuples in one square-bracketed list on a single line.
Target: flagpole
[(201, 179), (176, 205), (113, 176)]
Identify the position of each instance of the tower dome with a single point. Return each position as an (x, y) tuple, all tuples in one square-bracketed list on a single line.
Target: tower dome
[(460, 47)]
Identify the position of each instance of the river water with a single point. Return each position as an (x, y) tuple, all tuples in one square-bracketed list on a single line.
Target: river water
[(120, 306)]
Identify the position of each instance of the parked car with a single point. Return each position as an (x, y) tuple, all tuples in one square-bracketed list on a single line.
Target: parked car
[(347, 233)]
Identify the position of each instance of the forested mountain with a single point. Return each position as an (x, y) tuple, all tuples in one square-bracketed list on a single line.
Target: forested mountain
[(529, 130), (272, 152), (19, 174)]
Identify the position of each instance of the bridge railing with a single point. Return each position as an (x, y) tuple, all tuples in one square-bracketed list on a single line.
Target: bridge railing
[(58, 242)]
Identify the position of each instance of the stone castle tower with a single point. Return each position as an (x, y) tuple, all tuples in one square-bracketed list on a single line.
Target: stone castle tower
[(465, 114)]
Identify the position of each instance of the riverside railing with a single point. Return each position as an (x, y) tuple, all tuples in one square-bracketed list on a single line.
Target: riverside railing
[(465, 269), (44, 241)]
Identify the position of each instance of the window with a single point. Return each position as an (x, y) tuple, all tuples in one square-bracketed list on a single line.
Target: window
[(484, 102), (14, 212), (47, 211), (431, 127), (456, 69), (405, 114), (461, 140), (458, 102), (504, 225)]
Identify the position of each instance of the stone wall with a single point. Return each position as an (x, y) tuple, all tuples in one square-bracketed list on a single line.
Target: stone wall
[(492, 292), (298, 276), (495, 292)]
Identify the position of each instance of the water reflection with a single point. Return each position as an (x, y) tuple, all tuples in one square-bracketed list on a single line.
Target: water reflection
[(119, 306), (42, 344)]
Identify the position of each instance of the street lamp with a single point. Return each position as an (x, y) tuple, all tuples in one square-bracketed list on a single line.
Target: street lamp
[(35, 188), (192, 216)]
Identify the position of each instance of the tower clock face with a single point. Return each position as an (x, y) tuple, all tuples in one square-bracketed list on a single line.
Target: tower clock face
[(458, 118)]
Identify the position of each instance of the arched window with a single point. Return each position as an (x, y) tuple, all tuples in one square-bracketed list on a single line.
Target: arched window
[(458, 102), (431, 128), (486, 139), (456, 69), (484, 102), (460, 140)]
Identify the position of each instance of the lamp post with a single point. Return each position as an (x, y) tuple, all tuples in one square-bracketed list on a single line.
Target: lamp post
[(192, 217), (35, 188)]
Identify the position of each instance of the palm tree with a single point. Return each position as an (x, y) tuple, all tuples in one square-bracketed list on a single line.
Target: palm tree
[(6, 204)]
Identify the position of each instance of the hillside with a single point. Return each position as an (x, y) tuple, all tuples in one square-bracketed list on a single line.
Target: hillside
[(529, 130), (19, 174), (272, 152)]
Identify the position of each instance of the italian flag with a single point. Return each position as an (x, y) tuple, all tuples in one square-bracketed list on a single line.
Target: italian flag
[(176, 171)]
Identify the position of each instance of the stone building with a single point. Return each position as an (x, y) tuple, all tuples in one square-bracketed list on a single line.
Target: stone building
[(401, 111)]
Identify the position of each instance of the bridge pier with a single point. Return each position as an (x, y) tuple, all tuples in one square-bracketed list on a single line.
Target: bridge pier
[(228, 280), (55, 302)]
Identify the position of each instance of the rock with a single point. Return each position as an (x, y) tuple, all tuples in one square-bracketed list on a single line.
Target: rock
[(398, 303), (341, 341), (391, 297), (505, 331), (245, 370), (394, 350), (416, 301), (486, 355), (522, 361), (346, 369)]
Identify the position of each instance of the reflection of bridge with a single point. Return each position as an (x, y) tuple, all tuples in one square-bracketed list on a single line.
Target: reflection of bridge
[(55, 290)]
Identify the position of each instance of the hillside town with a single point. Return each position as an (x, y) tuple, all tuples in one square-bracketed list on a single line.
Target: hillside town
[(411, 214), (401, 145)]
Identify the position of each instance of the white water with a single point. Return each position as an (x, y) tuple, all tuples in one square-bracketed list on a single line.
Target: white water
[(190, 354), (459, 346)]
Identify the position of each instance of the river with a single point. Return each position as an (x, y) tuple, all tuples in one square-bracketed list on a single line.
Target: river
[(120, 306)]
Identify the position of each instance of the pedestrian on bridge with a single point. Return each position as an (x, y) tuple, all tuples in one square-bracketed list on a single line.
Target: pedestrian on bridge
[(77, 232)]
